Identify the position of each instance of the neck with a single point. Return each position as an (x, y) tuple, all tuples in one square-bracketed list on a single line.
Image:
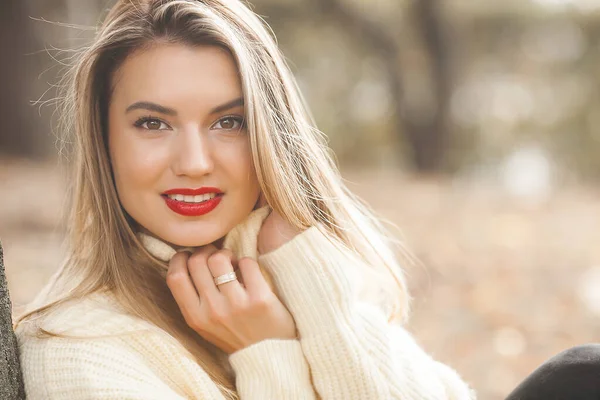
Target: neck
[(242, 239), (217, 243)]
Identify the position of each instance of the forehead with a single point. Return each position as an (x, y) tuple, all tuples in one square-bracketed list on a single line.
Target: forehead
[(172, 73)]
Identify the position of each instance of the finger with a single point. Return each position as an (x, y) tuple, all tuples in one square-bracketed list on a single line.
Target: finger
[(181, 286), (200, 273), (254, 280), (221, 263)]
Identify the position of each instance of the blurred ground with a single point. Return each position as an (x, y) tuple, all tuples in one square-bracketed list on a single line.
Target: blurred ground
[(504, 283)]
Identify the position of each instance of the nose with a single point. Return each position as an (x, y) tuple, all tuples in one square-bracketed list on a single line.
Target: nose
[(193, 155)]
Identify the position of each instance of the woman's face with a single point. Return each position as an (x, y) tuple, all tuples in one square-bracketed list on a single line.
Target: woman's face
[(175, 130)]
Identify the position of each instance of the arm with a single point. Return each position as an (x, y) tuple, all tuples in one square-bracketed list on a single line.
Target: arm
[(151, 366), (352, 350), (272, 369), (68, 369)]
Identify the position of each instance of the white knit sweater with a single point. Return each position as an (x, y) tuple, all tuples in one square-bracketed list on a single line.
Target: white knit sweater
[(346, 351)]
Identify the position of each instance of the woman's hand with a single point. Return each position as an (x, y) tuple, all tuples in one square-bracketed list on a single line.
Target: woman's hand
[(233, 315), (274, 233)]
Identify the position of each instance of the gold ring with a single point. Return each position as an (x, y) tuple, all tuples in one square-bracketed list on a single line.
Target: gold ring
[(228, 277)]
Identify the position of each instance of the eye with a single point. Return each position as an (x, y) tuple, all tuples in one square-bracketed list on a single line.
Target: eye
[(151, 124), (229, 123)]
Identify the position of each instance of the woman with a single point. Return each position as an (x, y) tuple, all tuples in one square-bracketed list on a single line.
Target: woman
[(214, 251)]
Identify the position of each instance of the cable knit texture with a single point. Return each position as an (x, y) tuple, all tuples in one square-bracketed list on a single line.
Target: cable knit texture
[(346, 350)]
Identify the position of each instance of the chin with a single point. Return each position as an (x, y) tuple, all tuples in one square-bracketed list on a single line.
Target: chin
[(177, 241), (190, 243)]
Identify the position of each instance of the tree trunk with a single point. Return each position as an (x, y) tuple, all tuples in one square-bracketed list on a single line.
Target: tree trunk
[(20, 134), (430, 139), (11, 381), (427, 138)]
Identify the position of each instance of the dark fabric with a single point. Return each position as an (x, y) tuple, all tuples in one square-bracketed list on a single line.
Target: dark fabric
[(573, 374)]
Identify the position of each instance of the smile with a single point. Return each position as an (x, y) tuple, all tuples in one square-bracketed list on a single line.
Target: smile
[(192, 199), (193, 206)]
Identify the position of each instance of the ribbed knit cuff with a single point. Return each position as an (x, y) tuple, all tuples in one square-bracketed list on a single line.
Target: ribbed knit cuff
[(314, 277), (276, 367)]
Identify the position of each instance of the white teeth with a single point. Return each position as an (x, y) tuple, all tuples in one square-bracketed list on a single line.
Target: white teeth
[(193, 199)]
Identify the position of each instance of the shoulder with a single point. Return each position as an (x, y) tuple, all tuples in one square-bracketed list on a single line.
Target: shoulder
[(98, 314), (66, 368), (102, 353)]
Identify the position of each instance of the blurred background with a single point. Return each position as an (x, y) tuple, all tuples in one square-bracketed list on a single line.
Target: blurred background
[(474, 126)]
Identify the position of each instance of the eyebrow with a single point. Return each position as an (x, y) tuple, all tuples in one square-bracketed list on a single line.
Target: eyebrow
[(229, 105), (147, 105)]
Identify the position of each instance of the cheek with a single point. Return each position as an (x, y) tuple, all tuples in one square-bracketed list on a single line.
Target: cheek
[(134, 164), (240, 168)]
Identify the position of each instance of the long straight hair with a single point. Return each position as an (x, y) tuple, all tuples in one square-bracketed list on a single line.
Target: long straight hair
[(295, 169)]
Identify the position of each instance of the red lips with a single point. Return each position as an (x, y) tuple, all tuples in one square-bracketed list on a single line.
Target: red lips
[(193, 209), (193, 192)]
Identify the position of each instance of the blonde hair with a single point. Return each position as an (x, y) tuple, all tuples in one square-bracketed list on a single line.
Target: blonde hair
[(104, 252)]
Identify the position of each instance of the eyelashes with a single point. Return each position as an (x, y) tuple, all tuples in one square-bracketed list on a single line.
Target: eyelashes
[(231, 118), (227, 122), (139, 123)]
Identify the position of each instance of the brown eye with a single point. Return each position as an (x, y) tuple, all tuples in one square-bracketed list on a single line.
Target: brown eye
[(229, 123), (151, 124)]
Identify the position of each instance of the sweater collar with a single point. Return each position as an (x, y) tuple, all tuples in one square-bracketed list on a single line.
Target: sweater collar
[(241, 240)]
